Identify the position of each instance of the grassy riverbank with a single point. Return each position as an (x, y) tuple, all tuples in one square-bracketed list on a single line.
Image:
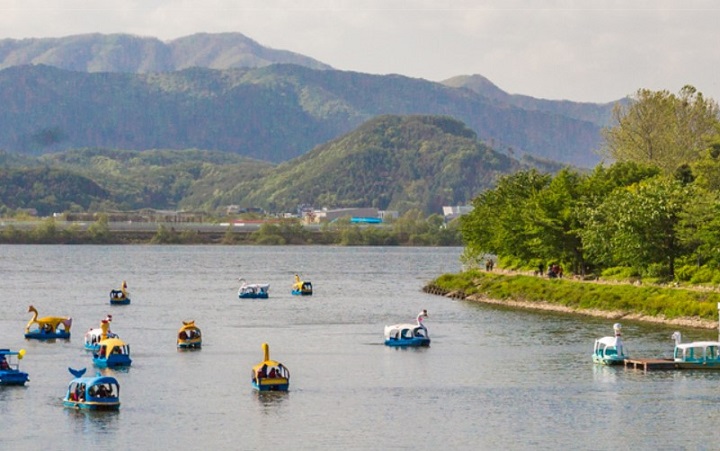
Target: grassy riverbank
[(685, 307)]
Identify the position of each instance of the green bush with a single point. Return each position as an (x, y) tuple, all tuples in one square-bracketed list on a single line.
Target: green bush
[(658, 270), (685, 273), (620, 273), (702, 275)]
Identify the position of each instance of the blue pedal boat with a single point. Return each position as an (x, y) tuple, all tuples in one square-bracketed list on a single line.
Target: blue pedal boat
[(48, 327), (270, 375), (92, 393), (121, 296), (113, 353), (408, 334), (253, 290), (302, 287), (10, 373)]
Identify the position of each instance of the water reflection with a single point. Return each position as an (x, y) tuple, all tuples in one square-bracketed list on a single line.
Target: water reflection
[(93, 421), (606, 374), (270, 403)]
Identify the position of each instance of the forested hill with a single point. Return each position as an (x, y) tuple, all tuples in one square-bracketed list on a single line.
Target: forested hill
[(274, 113), (390, 162)]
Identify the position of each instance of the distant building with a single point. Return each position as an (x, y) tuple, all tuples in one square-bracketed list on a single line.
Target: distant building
[(236, 209), (386, 215), (142, 215), (326, 215), (451, 213)]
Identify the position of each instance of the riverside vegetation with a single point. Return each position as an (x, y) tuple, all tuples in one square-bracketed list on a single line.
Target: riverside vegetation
[(411, 229), (651, 219)]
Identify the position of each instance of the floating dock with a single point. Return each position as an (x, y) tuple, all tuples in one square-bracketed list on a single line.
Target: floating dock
[(651, 364)]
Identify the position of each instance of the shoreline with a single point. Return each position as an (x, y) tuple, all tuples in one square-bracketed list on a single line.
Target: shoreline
[(547, 306)]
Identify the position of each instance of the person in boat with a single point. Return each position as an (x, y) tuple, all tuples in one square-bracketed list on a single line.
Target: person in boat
[(261, 372), (102, 391), (3, 363), (273, 373)]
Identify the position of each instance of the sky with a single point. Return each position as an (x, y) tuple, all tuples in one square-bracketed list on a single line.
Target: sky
[(580, 50)]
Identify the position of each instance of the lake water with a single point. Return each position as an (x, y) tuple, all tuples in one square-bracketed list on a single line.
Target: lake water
[(492, 378)]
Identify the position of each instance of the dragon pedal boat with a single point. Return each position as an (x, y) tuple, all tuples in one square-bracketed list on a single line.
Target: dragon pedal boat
[(48, 327)]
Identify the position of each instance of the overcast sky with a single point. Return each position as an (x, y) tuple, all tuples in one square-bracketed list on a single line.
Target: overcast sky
[(594, 51)]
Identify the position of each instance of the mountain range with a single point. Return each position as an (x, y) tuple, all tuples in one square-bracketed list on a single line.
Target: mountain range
[(225, 92), (389, 162)]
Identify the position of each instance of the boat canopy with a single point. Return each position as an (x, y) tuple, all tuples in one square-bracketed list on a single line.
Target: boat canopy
[(698, 344), (405, 331), (606, 342), (189, 330), (93, 389), (697, 350), (112, 346), (270, 369)]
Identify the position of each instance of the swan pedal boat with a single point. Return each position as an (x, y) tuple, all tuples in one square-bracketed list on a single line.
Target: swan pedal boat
[(189, 336), (610, 350), (121, 296), (254, 290), (697, 355), (270, 375), (112, 353), (408, 335), (10, 373), (48, 327), (92, 393), (302, 287)]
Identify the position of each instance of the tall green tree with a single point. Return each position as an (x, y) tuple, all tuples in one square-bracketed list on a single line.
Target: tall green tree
[(661, 128), (637, 226), (498, 223)]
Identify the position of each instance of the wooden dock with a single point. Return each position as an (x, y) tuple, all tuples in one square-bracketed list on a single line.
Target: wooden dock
[(650, 364)]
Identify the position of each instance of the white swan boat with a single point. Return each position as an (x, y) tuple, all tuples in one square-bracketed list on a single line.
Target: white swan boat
[(253, 290), (697, 355), (610, 350), (408, 334)]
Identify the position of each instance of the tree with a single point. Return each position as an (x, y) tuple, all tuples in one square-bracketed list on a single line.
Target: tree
[(99, 231), (662, 129), (637, 226), (498, 223)]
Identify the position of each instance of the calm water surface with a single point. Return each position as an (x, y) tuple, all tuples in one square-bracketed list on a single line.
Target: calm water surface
[(493, 378)]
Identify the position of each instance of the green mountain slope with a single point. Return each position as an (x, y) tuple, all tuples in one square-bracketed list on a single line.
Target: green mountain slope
[(159, 179), (390, 162), (274, 113), (48, 190)]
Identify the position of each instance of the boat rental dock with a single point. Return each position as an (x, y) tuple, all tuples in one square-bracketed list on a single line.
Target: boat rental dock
[(650, 364)]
